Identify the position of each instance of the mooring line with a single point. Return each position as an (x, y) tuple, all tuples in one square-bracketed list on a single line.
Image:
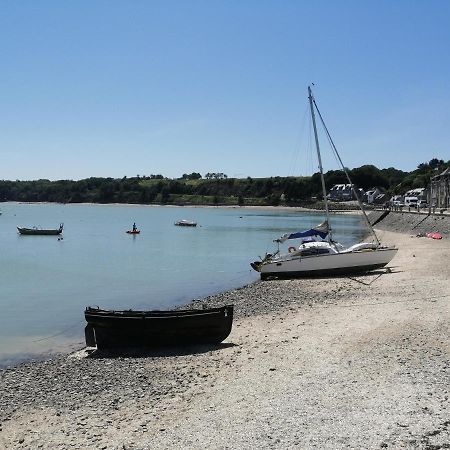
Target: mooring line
[(82, 320), (58, 334), (368, 284)]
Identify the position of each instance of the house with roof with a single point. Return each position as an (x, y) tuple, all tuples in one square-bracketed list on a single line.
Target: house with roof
[(374, 195), (343, 192), (420, 193)]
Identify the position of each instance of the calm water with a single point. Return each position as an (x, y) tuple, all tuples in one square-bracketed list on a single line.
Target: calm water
[(45, 283)]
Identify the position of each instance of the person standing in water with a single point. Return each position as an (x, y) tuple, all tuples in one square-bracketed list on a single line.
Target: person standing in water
[(134, 226)]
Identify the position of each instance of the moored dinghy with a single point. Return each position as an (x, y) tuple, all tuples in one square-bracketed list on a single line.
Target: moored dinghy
[(146, 329), (185, 223), (41, 231)]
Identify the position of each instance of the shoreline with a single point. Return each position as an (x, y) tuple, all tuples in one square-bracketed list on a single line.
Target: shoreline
[(358, 362), (357, 211), (29, 351), (250, 207)]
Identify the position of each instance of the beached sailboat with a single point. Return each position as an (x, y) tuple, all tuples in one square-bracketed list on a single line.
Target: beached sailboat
[(318, 254)]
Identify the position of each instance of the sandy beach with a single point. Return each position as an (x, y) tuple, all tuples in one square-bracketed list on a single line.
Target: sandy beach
[(360, 362)]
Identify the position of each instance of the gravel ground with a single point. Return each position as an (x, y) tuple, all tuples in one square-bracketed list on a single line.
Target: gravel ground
[(335, 363)]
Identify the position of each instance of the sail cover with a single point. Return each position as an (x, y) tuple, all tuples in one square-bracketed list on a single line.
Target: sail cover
[(320, 230)]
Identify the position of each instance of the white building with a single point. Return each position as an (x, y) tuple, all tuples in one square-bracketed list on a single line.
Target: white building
[(374, 195), (420, 193), (341, 192)]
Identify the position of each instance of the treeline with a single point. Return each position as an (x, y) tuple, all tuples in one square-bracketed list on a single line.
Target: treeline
[(214, 188)]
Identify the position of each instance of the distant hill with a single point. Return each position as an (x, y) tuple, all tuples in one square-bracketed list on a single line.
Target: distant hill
[(214, 189)]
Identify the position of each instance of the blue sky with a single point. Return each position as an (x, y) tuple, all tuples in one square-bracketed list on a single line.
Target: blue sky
[(115, 88)]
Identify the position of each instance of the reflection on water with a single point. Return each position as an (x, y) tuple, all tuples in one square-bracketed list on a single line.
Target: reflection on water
[(46, 283)]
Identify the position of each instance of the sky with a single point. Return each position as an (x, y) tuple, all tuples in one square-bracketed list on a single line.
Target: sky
[(108, 88)]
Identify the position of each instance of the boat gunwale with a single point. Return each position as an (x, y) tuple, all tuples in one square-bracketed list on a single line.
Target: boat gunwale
[(156, 314), (287, 256), (340, 271)]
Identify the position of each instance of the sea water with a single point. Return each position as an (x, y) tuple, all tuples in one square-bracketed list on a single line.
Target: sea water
[(46, 282)]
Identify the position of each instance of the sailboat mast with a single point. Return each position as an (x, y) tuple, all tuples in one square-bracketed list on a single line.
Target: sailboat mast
[(324, 190)]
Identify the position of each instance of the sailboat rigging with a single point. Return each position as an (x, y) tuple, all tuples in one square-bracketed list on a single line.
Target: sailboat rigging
[(316, 257)]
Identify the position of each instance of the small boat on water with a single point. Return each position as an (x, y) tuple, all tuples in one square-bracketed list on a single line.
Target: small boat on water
[(41, 231), (186, 223), (107, 329), (134, 230)]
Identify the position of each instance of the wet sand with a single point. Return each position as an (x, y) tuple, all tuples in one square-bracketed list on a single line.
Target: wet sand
[(361, 362)]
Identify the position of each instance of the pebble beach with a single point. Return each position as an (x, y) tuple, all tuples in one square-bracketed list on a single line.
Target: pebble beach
[(339, 363)]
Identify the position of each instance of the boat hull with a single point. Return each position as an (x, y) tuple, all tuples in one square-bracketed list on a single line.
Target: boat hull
[(114, 329), (185, 224), (38, 232), (327, 265)]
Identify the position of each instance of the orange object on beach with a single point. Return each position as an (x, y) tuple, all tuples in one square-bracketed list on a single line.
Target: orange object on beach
[(434, 235)]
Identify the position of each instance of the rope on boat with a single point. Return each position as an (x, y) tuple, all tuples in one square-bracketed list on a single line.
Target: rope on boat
[(61, 332), (418, 223), (370, 283), (82, 320)]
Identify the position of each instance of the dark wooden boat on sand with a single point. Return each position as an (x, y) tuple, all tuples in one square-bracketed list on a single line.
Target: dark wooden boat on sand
[(41, 231), (109, 329)]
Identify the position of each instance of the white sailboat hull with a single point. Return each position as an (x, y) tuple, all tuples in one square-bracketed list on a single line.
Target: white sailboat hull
[(327, 264)]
